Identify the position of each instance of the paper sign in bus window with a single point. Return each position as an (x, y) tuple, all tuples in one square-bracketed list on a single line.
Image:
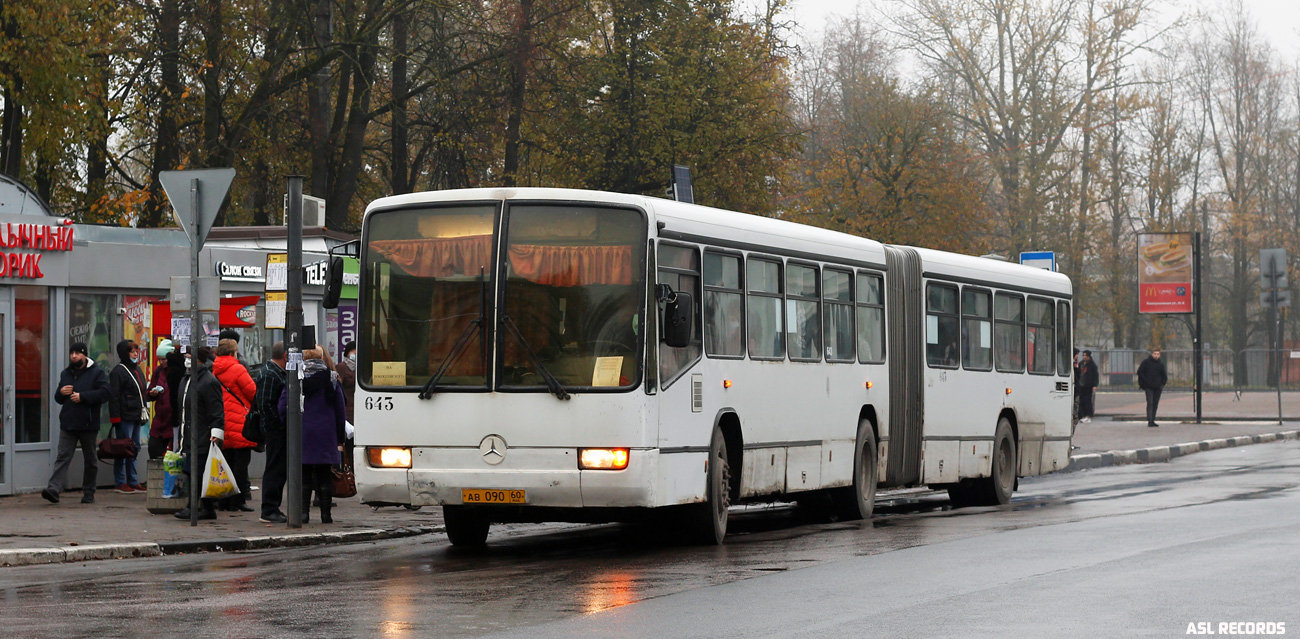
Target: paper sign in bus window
[(986, 335), (388, 374), (607, 371), (932, 329)]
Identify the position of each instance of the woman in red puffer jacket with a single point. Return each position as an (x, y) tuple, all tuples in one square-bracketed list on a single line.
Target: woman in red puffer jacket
[(238, 393)]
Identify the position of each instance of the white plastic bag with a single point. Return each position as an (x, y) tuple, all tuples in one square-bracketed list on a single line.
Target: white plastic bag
[(218, 481), (348, 428)]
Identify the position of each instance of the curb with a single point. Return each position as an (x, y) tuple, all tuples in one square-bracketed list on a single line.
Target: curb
[(68, 554), (1190, 419), (1166, 453)]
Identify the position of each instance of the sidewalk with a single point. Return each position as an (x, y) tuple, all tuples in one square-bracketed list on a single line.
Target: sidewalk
[(33, 531), (1215, 406)]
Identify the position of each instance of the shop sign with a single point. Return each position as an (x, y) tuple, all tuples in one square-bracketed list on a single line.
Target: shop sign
[(317, 274), (37, 237), (239, 272)]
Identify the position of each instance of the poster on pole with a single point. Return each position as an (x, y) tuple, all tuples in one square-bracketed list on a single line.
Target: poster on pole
[(1165, 272)]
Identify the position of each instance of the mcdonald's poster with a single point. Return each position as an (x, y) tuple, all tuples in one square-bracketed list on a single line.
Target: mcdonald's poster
[(1165, 272)]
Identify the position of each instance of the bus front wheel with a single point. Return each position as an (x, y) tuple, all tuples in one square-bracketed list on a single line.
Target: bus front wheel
[(996, 489), (857, 501), (708, 521), (464, 526)]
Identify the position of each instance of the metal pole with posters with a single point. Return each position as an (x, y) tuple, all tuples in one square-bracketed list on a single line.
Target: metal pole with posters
[(196, 325), (293, 381)]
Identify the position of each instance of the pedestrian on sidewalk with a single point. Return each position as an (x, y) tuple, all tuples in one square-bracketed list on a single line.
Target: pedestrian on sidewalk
[(209, 421), (270, 385), (83, 388), (128, 411), (324, 412), (347, 370), (239, 393), (1152, 377), (161, 429), (1087, 386)]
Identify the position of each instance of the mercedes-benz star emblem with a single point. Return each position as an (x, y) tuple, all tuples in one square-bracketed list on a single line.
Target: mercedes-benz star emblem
[(493, 449)]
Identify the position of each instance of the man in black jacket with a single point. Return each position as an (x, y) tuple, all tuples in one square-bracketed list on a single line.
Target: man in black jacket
[(83, 387), (270, 384), (209, 424), (1086, 387), (128, 399), (1152, 377)]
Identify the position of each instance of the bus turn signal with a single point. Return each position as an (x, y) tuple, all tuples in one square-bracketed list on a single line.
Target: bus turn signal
[(389, 457), (602, 458)]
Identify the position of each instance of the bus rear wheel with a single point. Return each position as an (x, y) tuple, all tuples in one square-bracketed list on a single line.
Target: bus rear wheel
[(857, 501), (707, 522), (464, 526)]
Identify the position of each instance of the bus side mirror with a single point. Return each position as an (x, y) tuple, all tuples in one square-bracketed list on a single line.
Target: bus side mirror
[(333, 283), (677, 320)]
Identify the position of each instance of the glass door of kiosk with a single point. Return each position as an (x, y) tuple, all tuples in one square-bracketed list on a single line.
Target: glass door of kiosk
[(6, 395)]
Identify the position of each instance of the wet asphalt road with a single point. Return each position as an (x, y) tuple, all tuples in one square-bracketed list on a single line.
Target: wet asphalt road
[(1127, 551)]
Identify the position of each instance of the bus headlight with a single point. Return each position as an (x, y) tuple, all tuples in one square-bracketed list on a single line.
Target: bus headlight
[(602, 458), (388, 457)]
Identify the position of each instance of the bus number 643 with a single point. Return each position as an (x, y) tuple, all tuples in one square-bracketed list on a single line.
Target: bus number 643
[(379, 403)]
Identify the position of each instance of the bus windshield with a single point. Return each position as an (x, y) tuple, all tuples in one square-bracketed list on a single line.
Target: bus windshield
[(574, 288), (427, 284), (571, 308)]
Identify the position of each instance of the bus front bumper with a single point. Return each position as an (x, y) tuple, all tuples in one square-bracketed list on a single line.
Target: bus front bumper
[(548, 477)]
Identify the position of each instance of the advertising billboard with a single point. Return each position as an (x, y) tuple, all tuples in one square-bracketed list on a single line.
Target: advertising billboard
[(1165, 273)]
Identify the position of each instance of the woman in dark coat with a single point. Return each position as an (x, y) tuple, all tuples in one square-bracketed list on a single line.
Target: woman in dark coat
[(323, 413)]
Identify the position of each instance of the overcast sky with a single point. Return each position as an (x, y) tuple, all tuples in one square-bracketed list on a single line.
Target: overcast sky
[(1278, 20)]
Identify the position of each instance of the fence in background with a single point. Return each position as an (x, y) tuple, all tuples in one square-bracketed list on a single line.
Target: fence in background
[(1223, 369)]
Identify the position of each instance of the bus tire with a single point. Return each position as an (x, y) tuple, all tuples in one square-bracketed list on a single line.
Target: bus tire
[(464, 526), (708, 521), (857, 501), (996, 489)]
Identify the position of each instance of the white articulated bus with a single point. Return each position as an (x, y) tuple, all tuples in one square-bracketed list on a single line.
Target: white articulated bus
[(561, 355)]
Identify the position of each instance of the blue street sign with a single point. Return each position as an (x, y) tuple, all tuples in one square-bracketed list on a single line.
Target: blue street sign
[(1045, 260)]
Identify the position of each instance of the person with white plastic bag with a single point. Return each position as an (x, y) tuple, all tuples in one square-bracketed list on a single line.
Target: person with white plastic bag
[(210, 419)]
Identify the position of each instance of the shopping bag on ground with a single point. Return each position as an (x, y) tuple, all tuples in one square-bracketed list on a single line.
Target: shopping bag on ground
[(169, 486), (173, 463), (218, 481)]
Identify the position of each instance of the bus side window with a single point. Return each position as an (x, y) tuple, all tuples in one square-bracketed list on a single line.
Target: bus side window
[(802, 322), (1063, 367), (837, 295), (942, 334), (766, 309), (724, 332), (679, 267), (976, 329), (1009, 333), (871, 318), (1040, 343)]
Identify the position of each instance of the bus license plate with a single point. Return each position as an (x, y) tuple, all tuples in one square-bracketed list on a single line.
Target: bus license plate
[(480, 496)]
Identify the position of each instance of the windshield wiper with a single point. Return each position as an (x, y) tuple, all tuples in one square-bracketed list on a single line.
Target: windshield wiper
[(552, 383), (461, 342)]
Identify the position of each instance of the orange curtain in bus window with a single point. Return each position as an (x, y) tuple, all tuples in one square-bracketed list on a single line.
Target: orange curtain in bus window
[(572, 265), (438, 257)]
